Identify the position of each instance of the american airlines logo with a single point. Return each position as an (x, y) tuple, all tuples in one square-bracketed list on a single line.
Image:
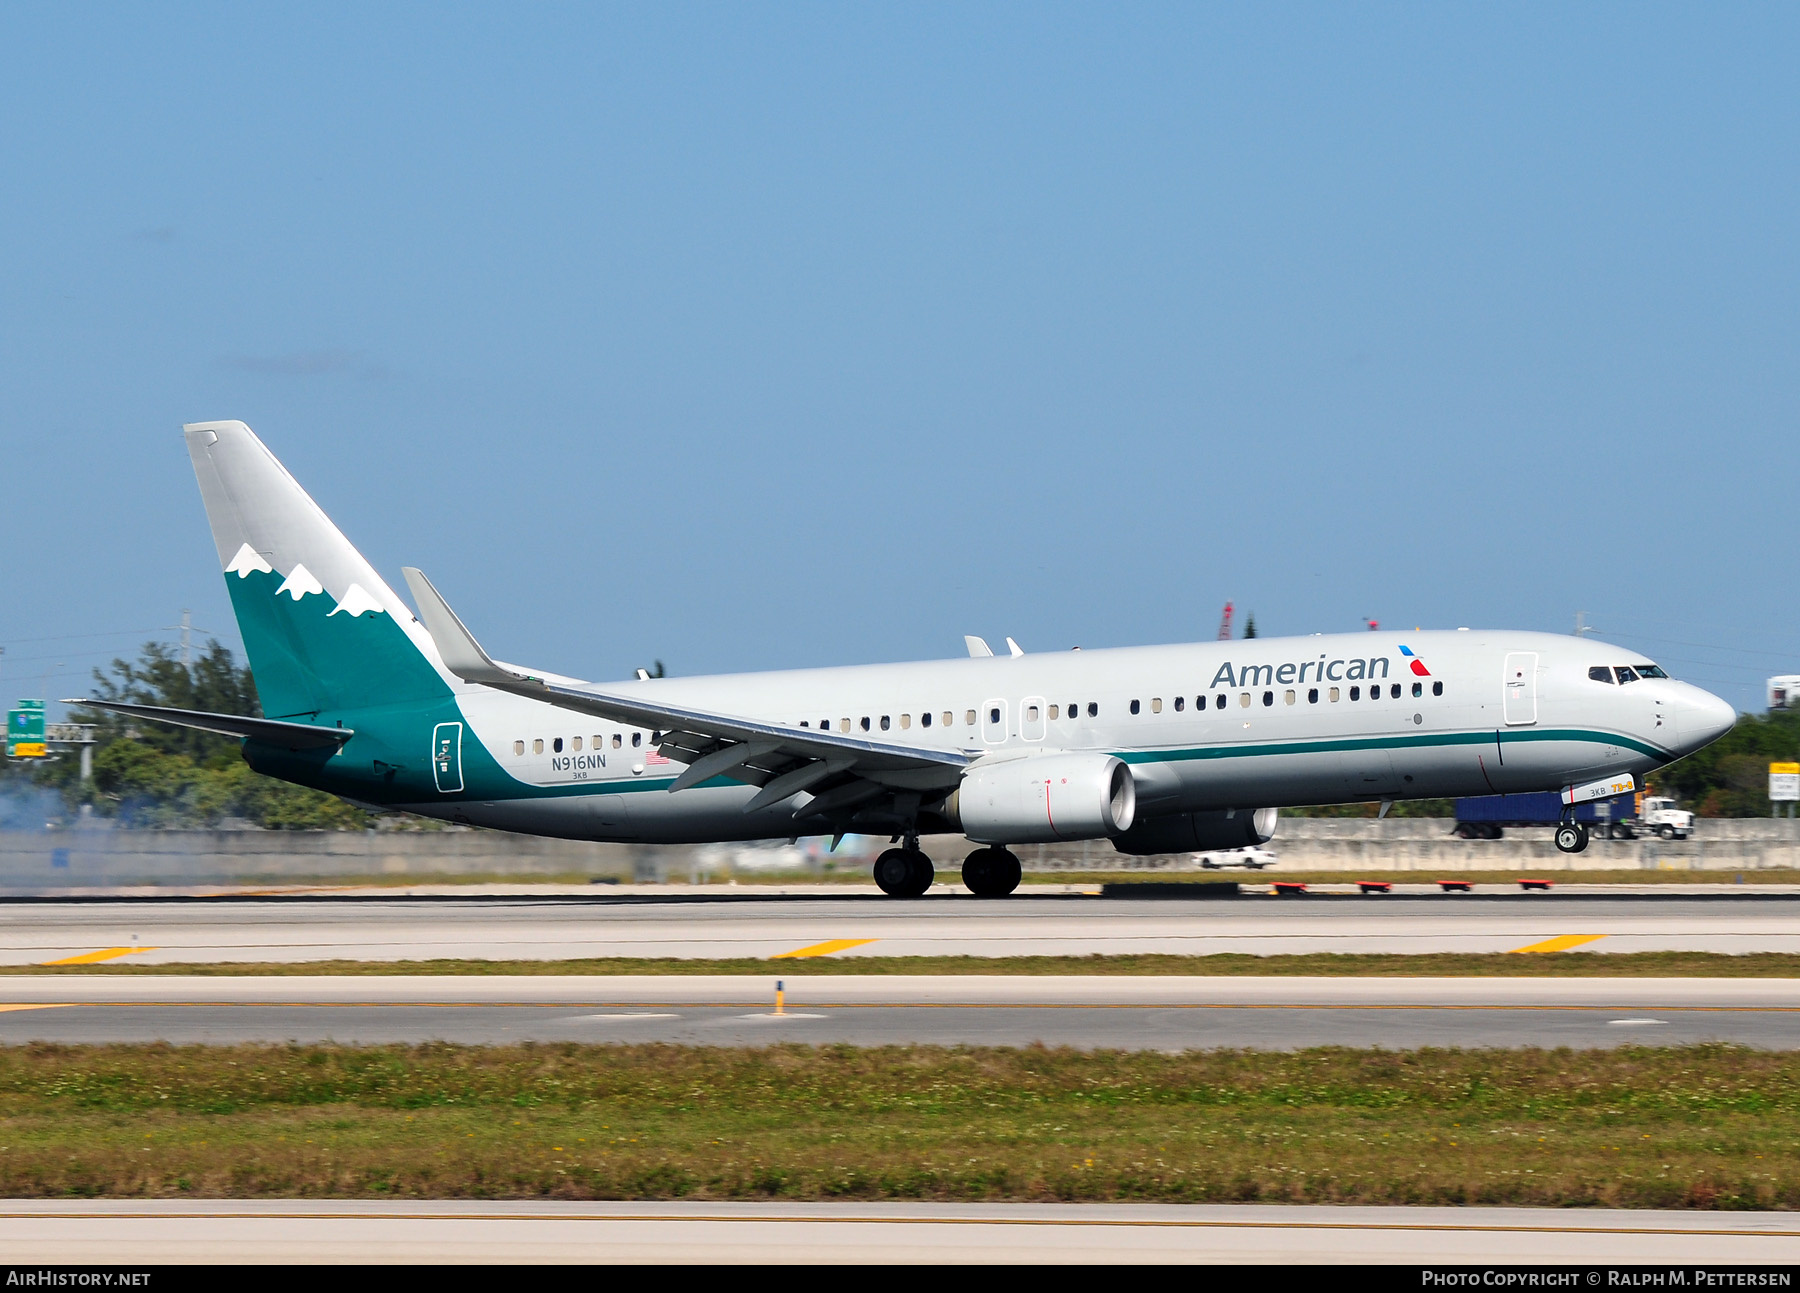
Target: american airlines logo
[(1321, 670)]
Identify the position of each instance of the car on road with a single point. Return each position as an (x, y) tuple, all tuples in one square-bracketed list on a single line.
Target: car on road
[(1251, 859)]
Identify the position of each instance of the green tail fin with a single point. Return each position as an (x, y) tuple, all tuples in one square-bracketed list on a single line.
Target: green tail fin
[(323, 632)]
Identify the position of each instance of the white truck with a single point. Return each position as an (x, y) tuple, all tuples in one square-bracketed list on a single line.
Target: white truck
[(1659, 816)]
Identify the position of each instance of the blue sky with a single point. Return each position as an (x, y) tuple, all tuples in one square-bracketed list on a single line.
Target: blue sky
[(761, 336)]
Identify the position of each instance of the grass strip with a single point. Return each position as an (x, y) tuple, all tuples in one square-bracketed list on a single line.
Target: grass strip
[(1697, 1127), (1575, 964)]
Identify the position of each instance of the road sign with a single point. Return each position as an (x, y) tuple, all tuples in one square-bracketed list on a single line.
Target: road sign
[(1784, 781), (25, 730)]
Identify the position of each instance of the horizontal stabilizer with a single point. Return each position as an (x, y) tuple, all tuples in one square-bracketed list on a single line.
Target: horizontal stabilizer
[(293, 736)]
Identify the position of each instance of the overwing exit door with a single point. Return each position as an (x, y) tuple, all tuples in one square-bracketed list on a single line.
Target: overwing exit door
[(1520, 688), (446, 757)]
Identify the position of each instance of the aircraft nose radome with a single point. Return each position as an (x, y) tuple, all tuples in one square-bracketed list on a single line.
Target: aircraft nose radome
[(1704, 718)]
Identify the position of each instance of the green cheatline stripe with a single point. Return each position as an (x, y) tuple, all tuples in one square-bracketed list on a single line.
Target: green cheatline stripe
[(1407, 742), (1402, 742)]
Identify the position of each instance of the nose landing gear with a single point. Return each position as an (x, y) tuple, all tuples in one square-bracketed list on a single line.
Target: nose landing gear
[(1571, 837)]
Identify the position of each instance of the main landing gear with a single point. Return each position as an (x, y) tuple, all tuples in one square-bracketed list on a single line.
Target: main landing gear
[(904, 872), (991, 872)]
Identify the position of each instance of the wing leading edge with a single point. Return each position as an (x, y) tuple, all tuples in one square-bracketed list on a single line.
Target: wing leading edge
[(844, 774)]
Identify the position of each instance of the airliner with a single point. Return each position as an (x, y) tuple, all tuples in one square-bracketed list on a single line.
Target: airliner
[(1156, 749)]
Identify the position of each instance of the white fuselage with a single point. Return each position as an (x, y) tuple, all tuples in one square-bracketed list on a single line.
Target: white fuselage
[(1266, 722)]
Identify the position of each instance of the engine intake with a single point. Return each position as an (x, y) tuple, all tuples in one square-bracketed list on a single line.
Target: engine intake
[(1197, 832), (1045, 798)]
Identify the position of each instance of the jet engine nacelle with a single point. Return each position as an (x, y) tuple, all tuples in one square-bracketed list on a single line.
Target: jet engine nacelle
[(1198, 832), (1046, 798)]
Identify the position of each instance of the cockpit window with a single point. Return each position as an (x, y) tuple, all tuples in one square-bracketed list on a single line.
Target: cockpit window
[(1650, 671), (1627, 673), (1600, 673)]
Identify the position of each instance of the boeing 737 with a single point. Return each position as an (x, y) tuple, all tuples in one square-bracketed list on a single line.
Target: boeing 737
[(1157, 749)]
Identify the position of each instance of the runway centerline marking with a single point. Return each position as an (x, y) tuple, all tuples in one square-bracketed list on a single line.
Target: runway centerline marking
[(1561, 943), (104, 954), (822, 949)]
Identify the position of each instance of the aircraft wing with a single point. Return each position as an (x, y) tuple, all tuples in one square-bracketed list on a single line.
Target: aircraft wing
[(842, 771)]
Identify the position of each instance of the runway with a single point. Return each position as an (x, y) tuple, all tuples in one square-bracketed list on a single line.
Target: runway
[(159, 1231), (1168, 1013), (378, 927)]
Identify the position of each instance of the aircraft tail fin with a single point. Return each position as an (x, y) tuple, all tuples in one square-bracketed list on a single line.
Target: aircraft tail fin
[(323, 632)]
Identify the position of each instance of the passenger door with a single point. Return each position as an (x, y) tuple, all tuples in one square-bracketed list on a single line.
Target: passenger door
[(993, 722), (1520, 688)]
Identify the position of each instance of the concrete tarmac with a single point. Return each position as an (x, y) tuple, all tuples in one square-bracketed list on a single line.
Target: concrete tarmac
[(722, 923), (149, 1232), (1168, 1013)]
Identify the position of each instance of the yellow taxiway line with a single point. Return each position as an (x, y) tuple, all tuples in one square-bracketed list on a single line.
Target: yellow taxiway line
[(1561, 943), (94, 958), (821, 949)]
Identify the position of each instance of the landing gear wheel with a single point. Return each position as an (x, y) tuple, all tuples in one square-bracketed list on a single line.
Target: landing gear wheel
[(1571, 837), (991, 872), (904, 873)]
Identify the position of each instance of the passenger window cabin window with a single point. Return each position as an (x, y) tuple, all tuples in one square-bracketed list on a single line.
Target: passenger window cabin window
[(556, 745), (865, 722), (637, 739), (1156, 704), (925, 719), (1600, 673), (537, 745), (1244, 700), (1268, 699), (1220, 704), (1093, 709), (1437, 689), (1031, 713), (1334, 695), (1134, 707), (804, 723), (843, 725), (1418, 689), (905, 722), (1312, 696), (575, 744), (1180, 703), (949, 719), (969, 718), (1056, 711), (1394, 692), (518, 747), (1356, 693), (886, 723), (994, 715), (617, 740), (1289, 697)]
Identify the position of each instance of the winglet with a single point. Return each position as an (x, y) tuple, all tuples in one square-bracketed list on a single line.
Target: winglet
[(1014, 648), (977, 647), (462, 654)]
